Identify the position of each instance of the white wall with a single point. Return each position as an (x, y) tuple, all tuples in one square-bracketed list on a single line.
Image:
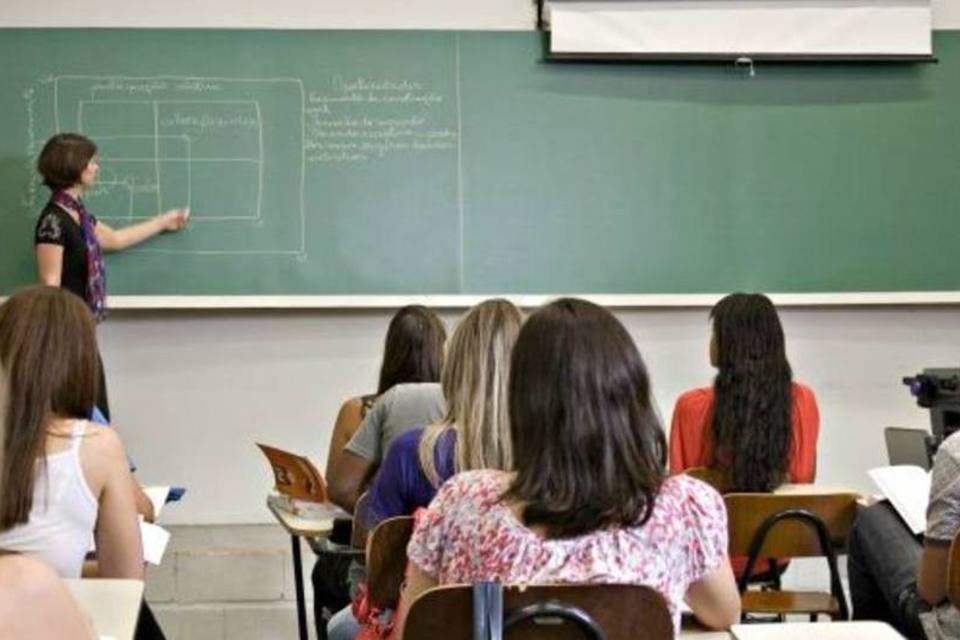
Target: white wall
[(306, 14), (192, 391)]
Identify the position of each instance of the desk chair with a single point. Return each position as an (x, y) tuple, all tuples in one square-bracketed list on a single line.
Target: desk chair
[(716, 478), (791, 525), (358, 535), (624, 612), (953, 572), (387, 561)]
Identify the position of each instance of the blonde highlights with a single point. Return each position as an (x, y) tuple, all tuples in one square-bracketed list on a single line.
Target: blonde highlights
[(475, 381)]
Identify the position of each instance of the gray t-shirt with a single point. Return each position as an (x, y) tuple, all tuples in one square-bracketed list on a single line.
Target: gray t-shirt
[(943, 523), (400, 409)]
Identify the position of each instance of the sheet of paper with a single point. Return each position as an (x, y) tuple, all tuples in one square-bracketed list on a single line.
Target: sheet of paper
[(908, 489), (158, 497), (155, 539)]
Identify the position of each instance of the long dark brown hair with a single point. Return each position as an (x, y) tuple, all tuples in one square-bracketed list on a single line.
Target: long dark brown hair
[(413, 349), (751, 426), (48, 353), (588, 446)]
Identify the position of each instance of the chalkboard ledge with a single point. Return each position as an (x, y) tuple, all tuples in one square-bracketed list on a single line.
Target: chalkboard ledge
[(458, 301)]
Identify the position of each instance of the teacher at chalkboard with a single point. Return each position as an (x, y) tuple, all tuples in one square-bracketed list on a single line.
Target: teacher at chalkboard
[(70, 241)]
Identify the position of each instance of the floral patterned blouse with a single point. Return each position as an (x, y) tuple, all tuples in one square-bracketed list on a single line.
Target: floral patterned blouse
[(469, 535)]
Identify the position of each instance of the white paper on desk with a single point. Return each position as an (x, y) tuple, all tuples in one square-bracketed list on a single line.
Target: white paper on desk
[(866, 629), (908, 489), (155, 539), (158, 498)]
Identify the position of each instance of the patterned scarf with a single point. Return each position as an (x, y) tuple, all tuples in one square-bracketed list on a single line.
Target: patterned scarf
[(96, 275)]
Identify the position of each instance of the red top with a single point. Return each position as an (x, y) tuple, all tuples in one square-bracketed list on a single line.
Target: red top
[(690, 439)]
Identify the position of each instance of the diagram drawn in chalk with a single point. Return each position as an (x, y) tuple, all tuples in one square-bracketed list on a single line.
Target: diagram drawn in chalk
[(230, 149)]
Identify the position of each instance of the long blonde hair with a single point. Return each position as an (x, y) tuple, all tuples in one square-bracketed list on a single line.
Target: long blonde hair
[(475, 380)]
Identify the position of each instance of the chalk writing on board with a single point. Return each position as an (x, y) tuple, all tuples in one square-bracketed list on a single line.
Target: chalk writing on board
[(361, 119), (234, 149), (231, 149), (30, 194)]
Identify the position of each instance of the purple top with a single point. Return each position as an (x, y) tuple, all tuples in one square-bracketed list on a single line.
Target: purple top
[(400, 486)]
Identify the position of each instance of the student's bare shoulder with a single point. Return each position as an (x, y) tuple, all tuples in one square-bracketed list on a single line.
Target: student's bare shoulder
[(103, 442), (352, 408)]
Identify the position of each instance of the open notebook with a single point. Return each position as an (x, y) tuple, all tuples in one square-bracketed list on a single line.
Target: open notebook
[(907, 487)]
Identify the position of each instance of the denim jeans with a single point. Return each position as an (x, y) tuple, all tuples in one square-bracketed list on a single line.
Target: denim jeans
[(343, 626), (882, 566)]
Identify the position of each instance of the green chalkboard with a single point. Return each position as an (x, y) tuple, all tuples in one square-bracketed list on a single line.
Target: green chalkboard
[(384, 162)]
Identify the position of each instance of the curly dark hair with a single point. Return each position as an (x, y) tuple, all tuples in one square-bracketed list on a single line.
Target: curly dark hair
[(752, 413)]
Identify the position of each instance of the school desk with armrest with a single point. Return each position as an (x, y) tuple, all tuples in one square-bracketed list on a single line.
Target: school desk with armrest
[(299, 527), (113, 605)]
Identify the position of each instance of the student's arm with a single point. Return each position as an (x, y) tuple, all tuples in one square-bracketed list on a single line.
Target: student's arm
[(358, 460), (932, 573), (142, 501), (416, 583), (711, 592), (119, 547), (714, 599), (348, 421), (943, 522), (49, 264), (348, 479), (111, 239)]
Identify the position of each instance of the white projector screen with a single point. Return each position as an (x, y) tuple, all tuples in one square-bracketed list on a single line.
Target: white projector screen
[(742, 27)]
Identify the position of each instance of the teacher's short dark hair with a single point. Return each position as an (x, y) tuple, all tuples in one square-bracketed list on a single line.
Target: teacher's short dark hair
[(63, 159), (589, 449)]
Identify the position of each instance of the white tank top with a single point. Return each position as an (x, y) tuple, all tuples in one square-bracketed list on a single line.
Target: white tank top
[(64, 512)]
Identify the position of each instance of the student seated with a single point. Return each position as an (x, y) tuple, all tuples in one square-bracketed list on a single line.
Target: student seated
[(64, 480), (412, 353), (755, 423), (588, 500), (35, 603), (899, 579), (474, 433), (400, 409)]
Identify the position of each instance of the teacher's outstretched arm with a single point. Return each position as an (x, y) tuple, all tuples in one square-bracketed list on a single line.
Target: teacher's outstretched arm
[(119, 239)]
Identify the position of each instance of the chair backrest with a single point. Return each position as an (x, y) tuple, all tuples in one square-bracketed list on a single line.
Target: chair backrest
[(953, 572), (747, 512), (387, 561), (625, 612), (358, 535), (719, 479)]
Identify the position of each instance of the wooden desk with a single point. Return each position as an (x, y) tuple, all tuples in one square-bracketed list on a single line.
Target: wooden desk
[(299, 527), (113, 605)]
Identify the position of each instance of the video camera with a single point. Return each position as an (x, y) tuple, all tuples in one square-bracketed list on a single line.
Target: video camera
[(939, 391)]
